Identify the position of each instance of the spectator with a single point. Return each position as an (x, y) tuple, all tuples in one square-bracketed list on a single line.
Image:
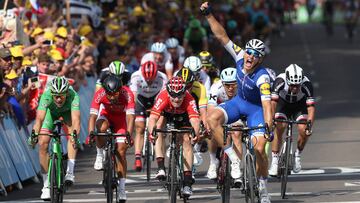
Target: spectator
[(195, 38)]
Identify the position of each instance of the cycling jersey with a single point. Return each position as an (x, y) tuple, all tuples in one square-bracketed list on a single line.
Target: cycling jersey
[(164, 66), (217, 94), (163, 104), (179, 60), (114, 113), (53, 112), (205, 80), (198, 92), (139, 86), (281, 89)]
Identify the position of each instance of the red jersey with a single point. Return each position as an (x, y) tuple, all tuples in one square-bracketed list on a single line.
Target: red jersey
[(163, 103), (124, 104)]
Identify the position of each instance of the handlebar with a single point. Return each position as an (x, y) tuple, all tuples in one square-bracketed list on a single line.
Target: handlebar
[(281, 120), (111, 134), (241, 128)]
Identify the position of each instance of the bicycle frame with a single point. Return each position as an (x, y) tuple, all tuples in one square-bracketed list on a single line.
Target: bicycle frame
[(285, 160), (109, 174), (176, 167)]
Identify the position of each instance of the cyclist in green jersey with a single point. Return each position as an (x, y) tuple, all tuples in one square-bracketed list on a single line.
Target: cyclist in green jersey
[(60, 100)]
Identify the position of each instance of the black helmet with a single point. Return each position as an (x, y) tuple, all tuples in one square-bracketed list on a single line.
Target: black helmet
[(187, 75), (111, 84), (206, 58)]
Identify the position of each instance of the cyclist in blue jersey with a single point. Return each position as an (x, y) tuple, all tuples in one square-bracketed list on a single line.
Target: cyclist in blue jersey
[(253, 100)]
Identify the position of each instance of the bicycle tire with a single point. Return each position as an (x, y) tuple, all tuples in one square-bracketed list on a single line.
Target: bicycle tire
[(249, 180), (147, 158), (225, 190), (284, 174), (173, 178), (108, 177), (55, 193)]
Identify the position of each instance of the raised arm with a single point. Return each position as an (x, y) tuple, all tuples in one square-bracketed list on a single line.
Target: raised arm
[(215, 26)]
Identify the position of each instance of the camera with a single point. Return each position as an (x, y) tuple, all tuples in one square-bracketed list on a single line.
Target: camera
[(48, 42)]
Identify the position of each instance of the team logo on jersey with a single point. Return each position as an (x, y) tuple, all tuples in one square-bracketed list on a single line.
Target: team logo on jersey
[(236, 48), (265, 89)]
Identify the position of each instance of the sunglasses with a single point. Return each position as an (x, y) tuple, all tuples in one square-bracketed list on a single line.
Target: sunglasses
[(253, 52), (112, 94), (59, 96), (229, 85), (174, 96)]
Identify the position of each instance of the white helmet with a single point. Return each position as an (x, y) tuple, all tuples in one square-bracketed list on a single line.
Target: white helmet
[(257, 45), (294, 74), (193, 63), (172, 43), (228, 75), (117, 67), (158, 47)]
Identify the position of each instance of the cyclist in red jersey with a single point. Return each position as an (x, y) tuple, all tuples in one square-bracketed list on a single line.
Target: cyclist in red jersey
[(177, 105), (113, 106)]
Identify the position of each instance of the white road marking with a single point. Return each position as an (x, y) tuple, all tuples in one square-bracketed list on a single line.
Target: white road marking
[(352, 184)]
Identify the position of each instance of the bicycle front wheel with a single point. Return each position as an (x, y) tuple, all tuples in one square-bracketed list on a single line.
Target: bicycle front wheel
[(108, 177), (285, 169), (147, 157), (225, 173), (249, 180), (173, 177), (55, 180)]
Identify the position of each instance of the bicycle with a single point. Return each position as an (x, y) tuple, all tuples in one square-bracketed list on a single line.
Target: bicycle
[(148, 151), (286, 162), (250, 181), (175, 176), (57, 167), (109, 174)]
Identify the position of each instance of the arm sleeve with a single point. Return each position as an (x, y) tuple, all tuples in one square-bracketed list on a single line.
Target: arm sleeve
[(159, 104), (95, 103), (191, 108), (130, 107), (213, 95), (235, 51), (308, 89), (203, 100), (279, 84), (45, 101), (75, 104), (263, 83)]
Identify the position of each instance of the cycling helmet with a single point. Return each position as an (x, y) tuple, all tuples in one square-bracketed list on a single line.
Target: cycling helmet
[(187, 75), (256, 45), (149, 71), (206, 58), (193, 63), (172, 43), (294, 74), (59, 85), (176, 86), (158, 47), (228, 75), (111, 84), (117, 68)]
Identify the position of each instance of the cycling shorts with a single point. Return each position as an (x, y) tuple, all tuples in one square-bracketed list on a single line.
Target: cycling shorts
[(142, 104), (48, 124), (236, 108), (117, 123), (297, 110)]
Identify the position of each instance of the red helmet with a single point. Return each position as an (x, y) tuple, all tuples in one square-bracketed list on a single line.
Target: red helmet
[(149, 70), (176, 86)]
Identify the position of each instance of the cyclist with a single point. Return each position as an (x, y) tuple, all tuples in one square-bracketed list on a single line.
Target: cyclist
[(292, 97), (116, 68), (177, 105), (145, 84), (117, 113), (60, 100), (176, 51), (253, 100), (208, 66), (222, 91), (161, 57), (194, 64)]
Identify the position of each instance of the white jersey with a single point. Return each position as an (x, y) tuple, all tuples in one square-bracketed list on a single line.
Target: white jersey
[(217, 94), (139, 86), (165, 65)]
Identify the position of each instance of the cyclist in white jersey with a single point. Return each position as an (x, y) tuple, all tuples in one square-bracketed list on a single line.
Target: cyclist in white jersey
[(161, 57), (145, 83), (177, 53), (194, 64), (221, 91)]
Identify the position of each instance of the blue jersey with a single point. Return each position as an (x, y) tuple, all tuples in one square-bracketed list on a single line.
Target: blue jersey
[(253, 87)]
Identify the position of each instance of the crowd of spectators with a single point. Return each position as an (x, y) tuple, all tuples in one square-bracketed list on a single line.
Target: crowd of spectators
[(41, 39)]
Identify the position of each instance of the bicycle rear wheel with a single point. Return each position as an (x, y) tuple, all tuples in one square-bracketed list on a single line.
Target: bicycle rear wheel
[(108, 176), (249, 180), (285, 169), (225, 176)]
